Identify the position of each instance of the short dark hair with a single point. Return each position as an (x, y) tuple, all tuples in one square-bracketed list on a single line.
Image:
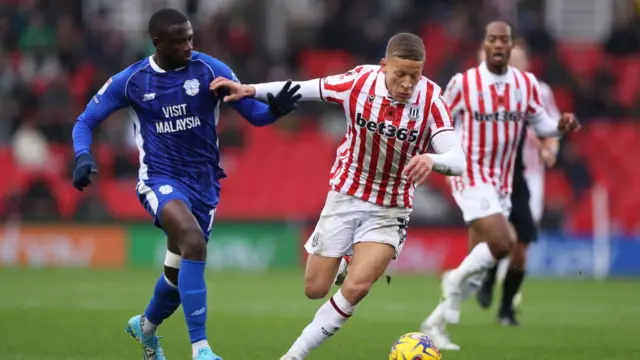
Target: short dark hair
[(164, 18), (508, 23), (406, 46)]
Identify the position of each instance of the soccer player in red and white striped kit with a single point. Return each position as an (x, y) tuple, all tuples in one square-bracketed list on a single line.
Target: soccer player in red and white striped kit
[(527, 197), (492, 102), (393, 113)]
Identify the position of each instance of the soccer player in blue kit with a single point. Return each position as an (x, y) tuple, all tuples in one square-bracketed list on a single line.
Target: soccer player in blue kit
[(174, 118)]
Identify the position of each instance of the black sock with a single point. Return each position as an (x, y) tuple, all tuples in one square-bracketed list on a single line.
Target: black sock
[(510, 288), (490, 278)]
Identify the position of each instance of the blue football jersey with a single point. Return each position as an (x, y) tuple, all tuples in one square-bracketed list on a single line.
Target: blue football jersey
[(174, 118)]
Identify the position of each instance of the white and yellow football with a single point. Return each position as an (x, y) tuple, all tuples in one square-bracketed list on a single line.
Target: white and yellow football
[(415, 346)]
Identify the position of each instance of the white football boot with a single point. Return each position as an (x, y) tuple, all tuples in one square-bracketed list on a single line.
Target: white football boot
[(435, 327)]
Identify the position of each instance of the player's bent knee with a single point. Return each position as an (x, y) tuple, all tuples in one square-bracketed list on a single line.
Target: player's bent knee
[(192, 244), (501, 243), (315, 290), (355, 291)]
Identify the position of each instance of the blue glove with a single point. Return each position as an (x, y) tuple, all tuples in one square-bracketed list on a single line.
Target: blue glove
[(85, 167), (285, 101)]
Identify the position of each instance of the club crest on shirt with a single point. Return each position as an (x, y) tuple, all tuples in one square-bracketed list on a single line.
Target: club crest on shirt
[(192, 87), (371, 98), (414, 112)]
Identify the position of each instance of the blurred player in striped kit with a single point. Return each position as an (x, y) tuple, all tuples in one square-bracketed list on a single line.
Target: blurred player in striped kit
[(533, 155), (493, 104)]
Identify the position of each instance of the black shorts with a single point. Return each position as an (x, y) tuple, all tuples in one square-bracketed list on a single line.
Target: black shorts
[(521, 217)]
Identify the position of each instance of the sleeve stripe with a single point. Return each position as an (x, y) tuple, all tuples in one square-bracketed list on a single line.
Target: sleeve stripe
[(456, 101), (437, 116), (339, 87), (335, 100)]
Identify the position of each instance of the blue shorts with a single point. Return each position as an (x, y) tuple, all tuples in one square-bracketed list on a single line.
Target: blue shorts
[(157, 192)]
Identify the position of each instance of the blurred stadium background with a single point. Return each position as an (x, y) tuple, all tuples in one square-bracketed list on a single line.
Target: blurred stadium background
[(55, 54)]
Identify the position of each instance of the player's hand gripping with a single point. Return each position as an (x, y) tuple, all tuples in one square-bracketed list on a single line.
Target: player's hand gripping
[(230, 90), (568, 123), (280, 104), (418, 169), (85, 168)]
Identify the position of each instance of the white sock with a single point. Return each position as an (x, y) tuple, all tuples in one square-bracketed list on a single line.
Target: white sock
[(471, 285), (327, 321), (503, 267), (196, 346), (436, 318), (148, 328), (479, 260)]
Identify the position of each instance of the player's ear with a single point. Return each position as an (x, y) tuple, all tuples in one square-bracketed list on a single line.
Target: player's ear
[(155, 41), (383, 65)]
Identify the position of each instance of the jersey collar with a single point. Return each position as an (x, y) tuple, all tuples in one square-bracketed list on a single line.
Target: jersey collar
[(157, 68), (484, 71)]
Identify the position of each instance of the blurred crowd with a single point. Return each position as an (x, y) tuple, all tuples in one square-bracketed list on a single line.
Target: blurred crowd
[(54, 55)]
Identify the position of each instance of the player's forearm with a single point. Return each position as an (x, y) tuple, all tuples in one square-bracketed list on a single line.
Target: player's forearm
[(82, 136), (449, 158), (256, 112), (545, 126), (309, 89)]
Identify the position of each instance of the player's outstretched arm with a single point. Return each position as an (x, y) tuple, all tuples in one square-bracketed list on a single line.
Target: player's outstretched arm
[(108, 99), (227, 87), (233, 91), (259, 114), (332, 89)]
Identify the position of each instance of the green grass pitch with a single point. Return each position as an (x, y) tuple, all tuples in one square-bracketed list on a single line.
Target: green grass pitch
[(81, 315)]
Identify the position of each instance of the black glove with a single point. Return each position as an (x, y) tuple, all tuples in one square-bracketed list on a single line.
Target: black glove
[(85, 166), (285, 101)]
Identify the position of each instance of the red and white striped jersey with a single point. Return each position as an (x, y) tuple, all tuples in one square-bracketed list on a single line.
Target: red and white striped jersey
[(492, 110), (531, 152), (382, 135)]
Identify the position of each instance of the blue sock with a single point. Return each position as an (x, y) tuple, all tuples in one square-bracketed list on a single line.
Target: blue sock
[(164, 302), (193, 293)]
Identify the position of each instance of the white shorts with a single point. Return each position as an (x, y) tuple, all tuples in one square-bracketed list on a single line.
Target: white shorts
[(480, 201), (347, 220), (535, 183)]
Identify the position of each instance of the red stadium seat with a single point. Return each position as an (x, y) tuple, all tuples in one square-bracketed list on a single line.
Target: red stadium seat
[(582, 59), (320, 63), (120, 199)]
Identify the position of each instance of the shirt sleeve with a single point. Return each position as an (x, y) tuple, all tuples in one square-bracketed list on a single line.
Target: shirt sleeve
[(542, 123), (255, 112), (453, 95), (439, 117), (449, 158), (549, 101), (110, 98), (332, 89)]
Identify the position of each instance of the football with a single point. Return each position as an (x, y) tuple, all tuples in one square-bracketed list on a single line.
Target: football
[(415, 346)]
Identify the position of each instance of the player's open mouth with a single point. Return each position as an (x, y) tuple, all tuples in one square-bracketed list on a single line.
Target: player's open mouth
[(498, 56)]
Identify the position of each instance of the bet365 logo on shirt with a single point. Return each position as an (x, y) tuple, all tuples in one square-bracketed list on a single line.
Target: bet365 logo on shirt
[(388, 130)]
